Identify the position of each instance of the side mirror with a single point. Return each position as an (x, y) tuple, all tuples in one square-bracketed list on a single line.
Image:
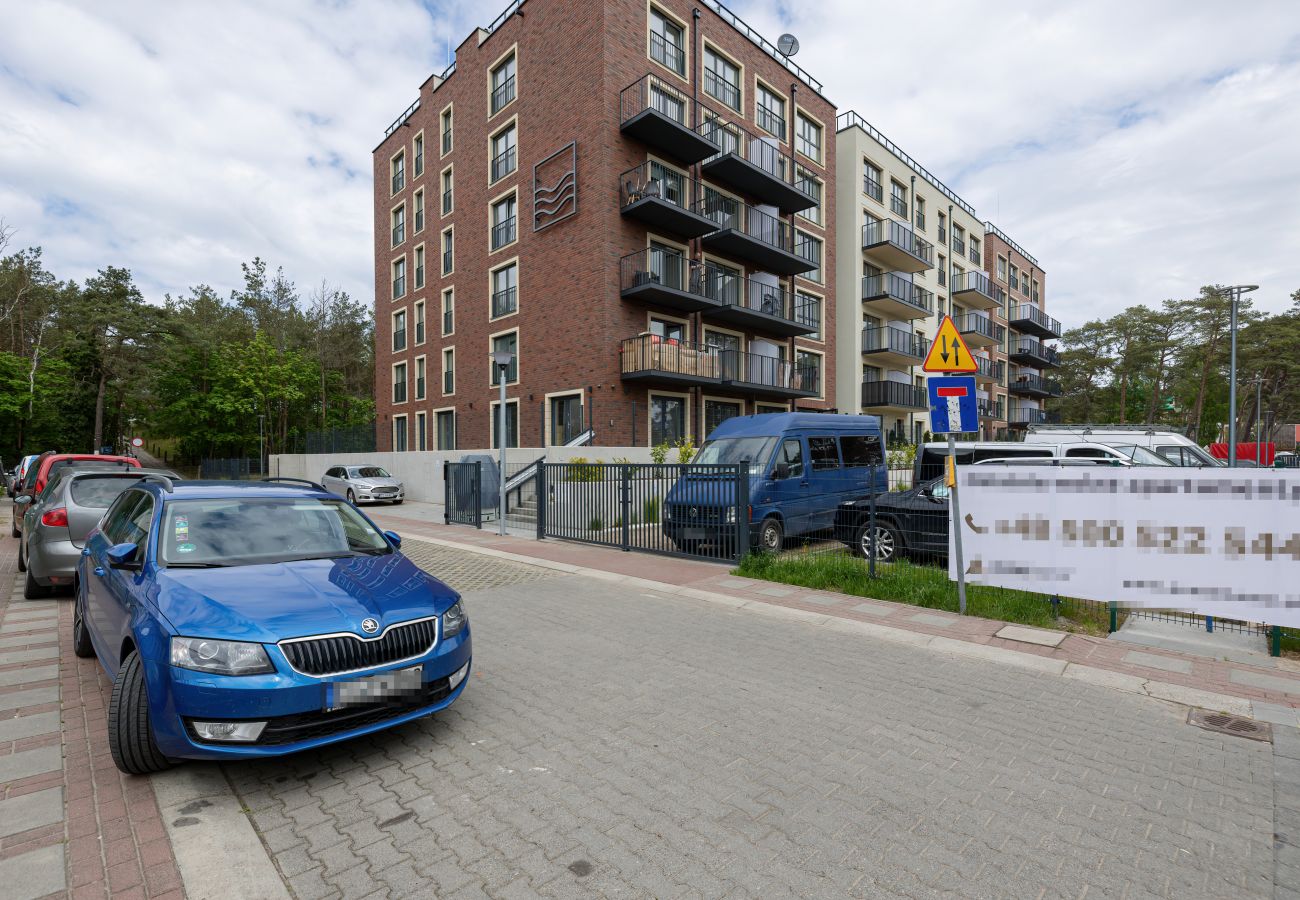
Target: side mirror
[(395, 538), (22, 499), (122, 556), (781, 470)]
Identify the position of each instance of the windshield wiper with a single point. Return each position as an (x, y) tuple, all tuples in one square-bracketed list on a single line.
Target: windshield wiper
[(370, 551), (197, 565)]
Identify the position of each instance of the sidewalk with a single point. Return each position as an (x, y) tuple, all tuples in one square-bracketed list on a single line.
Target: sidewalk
[(1264, 692)]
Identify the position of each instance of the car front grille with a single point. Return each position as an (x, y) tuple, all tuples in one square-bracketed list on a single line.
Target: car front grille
[(336, 654), (696, 515)]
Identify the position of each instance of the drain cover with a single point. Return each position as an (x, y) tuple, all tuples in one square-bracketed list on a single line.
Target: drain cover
[(1226, 724)]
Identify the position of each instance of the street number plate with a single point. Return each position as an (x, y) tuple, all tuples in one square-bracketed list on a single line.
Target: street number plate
[(374, 688)]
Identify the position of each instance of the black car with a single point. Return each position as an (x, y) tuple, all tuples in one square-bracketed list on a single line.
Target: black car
[(908, 523)]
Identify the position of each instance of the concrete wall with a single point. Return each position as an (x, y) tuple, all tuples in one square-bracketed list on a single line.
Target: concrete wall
[(421, 471)]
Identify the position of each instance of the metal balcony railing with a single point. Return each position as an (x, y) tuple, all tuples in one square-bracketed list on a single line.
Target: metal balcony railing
[(990, 368), (650, 92), (770, 121), (975, 255), (449, 382), (503, 233), (504, 302), (981, 283), (989, 409), (901, 289), (1025, 415), (446, 141), (667, 54), (646, 182), (399, 180), (446, 201), (652, 354), (721, 90), (732, 137), (898, 205), (1029, 381), (971, 323), (1025, 312), (893, 340), (728, 212), (399, 340), (897, 394), (900, 235), (761, 371), (504, 163), (1035, 349), (872, 188), (502, 94)]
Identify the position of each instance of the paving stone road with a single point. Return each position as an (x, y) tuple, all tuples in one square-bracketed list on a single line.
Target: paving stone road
[(470, 571), (620, 743)]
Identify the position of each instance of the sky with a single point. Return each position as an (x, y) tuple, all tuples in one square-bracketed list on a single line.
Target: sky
[(1139, 150)]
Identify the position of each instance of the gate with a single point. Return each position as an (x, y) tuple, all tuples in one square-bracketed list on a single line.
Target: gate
[(463, 493), (695, 511)]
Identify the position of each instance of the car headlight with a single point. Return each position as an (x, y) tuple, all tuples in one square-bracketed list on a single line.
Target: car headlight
[(220, 657), (453, 620)]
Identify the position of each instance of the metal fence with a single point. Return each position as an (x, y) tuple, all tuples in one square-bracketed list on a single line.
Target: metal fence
[(352, 439), (231, 469), (463, 493)]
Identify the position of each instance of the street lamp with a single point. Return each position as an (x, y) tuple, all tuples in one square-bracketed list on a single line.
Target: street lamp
[(502, 360), (1236, 291)]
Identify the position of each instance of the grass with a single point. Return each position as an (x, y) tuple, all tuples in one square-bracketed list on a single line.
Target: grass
[(905, 582)]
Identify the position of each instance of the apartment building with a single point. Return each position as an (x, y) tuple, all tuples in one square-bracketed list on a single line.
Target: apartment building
[(912, 251), (631, 199), (1029, 358)]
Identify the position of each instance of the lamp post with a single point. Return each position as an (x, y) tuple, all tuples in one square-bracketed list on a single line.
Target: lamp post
[(1236, 291), (502, 360), (261, 444), (1259, 415)]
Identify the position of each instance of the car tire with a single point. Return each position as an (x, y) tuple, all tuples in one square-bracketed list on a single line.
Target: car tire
[(22, 563), (81, 644), (352, 498), (14, 532), (33, 590), (130, 734), (888, 543), (771, 535), (397, 502)]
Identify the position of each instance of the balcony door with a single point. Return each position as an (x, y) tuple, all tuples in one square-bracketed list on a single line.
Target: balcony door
[(668, 184), (666, 264)]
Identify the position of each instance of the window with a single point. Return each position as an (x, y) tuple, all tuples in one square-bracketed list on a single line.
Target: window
[(399, 331), (503, 85), (421, 429), (446, 192), (975, 255), (808, 137), (504, 159), (920, 212), (1024, 284), (771, 112), (503, 222), (943, 228), (667, 419), (419, 378), (958, 239), (898, 199), (668, 182), (789, 460), (448, 312), (666, 41), (824, 453), (417, 155), (399, 383), (448, 252), (399, 224), (397, 167), (668, 330), (721, 79), (399, 434), (449, 371), (512, 424), (808, 369), (871, 185), (808, 183), (444, 424), (809, 248), (1014, 278), (860, 451), (808, 311), (942, 267), (446, 131), (718, 411), (399, 278), (419, 323), (419, 267), (1035, 294), (508, 342), (505, 291), (1002, 268), (566, 419)]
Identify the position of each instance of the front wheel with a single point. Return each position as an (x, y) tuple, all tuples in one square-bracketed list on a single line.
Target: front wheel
[(887, 544), (771, 535), (80, 637), (130, 734), (397, 502)]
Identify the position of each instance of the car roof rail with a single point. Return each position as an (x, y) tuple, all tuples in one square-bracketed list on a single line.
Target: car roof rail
[(295, 481), (162, 479)]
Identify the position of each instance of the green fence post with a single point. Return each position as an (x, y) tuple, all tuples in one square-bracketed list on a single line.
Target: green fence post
[(1275, 641), (1114, 617)]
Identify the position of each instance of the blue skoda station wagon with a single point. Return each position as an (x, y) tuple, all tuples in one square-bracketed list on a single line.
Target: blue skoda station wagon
[(252, 619)]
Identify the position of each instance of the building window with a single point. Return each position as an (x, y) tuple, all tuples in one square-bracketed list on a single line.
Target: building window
[(503, 84), (504, 158), (419, 210), (399, 331), (399, 434), (421, 431), (721, 79), (666, 41), (943, 228), (446, 192), (898, 199), (809, 248), (399, 224), (667, 419), (771, 112), (1024, 284), (958, 239), (445, 426), (808, 311), (809, 184), (503, 222), (920, 212), (871, 184), (808, 369), (505, 291), (1014, 278), (449, 371), (506, 342), (566, 419), (446, 131), (448, 312), (1002, 268), (419, 378), (399, 383), (942, 268), (399, 278), (419, 267), (397, 165), (417, 155), (718, 411), (1035, 294), (419, 323), (808, 137), (512, 424), (448, 252), (975, 255)]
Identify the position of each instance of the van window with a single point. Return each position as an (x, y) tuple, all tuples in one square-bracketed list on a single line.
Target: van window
[(1089, 452), (1174, 454), (729, 451), (792, 457), (860, 450), (824, 453)]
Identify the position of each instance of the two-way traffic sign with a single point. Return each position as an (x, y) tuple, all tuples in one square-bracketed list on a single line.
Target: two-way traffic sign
[(953, 408), (949, 352)]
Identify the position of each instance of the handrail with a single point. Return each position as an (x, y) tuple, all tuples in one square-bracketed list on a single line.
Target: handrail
[(397, 123), (990, 228), (851, 119)]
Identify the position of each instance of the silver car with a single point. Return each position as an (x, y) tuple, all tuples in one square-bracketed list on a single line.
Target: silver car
[(56, 523), (363, 484)]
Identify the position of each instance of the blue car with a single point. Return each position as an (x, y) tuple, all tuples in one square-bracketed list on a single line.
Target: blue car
[(253, 619)]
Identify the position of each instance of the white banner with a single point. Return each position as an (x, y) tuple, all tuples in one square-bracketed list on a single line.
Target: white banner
[(1218, 542)]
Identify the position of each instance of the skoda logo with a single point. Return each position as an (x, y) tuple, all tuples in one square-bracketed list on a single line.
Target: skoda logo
[(693, 512), (369, 626)]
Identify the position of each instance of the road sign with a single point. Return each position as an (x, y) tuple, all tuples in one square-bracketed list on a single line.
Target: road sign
[(953, 408), (137, 442), (949, 352)]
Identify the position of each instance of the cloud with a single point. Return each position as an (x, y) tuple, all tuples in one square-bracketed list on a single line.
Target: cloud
[(1139, 150)]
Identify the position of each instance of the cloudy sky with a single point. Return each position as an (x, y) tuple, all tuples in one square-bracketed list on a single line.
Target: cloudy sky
[(1138, 149)]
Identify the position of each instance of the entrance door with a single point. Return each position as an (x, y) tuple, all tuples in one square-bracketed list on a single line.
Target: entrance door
[(566, 419)]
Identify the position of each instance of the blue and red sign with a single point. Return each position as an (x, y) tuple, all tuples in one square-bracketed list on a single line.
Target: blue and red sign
[(953, 407)]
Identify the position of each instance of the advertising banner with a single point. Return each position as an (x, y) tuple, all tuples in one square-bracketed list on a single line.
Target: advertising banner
[(1216, 542)]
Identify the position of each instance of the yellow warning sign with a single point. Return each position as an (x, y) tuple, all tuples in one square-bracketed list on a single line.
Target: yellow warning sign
[(949, 352)]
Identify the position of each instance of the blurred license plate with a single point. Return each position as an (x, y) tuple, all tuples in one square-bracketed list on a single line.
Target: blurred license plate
[(388, 686)]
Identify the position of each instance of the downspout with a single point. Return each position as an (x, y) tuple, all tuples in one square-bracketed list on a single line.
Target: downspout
[(948, 247), (794, 105), (911, 224), (697, 172)]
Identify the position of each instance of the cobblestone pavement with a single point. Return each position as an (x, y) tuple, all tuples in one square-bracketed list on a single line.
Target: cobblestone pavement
[(621, 743), (471, 571)]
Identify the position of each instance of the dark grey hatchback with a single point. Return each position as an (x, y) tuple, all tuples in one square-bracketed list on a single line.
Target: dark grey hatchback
[(910, 523)]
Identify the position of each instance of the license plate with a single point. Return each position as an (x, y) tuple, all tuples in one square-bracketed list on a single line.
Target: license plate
[(382, 688)]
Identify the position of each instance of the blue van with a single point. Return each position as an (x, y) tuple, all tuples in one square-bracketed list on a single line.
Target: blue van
[(802, 465)]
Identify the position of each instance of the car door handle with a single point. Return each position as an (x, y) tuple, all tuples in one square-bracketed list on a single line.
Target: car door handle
[(99, 570)]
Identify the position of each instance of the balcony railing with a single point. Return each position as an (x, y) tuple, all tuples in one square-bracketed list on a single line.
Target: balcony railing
[(504, 302), (419, 387), (872, 189), (920, 220), (419, 333), (958, 245), (399, 340), (504, 163), (721, 90), (1026, 415), (502, 94), (667, 54), (448, 321), (767, 372), (981, 326), (978, 287), (664, 199), (898, 205), (975, 255), (989, 409), (1033, 351), (890, 235), (1033, 384), (667, 359), (770, 121), (756, 165), (446, 141), (446, 201), (399, 180), (658, 113), (419, 218), (894, 394), (915, 300), (990, 369), (759, 237), (1029, 318), (886, 339), (449, 382), (503, 233)]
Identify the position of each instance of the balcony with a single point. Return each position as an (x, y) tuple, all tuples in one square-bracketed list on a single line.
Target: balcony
[(889, 346), (767, 376), (760, 305), (989, 409), (651, 358), (656, 113), (756, 166), (1029, 319), (989, 371), (977, 291), (1022, 416), (667, 280), (1031, 352), (893, 395), (897, 247), (979, 330), (896, 297), (748, 233), (662, 199), (1027, 384)]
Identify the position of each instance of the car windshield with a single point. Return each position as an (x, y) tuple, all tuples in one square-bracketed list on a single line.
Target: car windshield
[(99, 491), (729, 451), (368, 472), (259, 530), (1144, 457)]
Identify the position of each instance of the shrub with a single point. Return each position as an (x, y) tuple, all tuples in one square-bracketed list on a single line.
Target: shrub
[(659, 453), (903, 457), (650, 509), (579, 469), (685, 450)]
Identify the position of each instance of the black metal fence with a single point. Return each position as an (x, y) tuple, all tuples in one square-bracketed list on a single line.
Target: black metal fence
[(231, 469), (352, 439), (463, 493)]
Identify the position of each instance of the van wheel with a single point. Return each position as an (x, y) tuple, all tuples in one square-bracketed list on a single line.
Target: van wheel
[(887, 542), (771, 535), (130, 734)]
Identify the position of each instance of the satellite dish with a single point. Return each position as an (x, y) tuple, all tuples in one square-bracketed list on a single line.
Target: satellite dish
[(788, 44)]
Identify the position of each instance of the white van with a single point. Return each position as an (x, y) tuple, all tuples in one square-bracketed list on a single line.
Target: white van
[(1178, 449), (929, 459)]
